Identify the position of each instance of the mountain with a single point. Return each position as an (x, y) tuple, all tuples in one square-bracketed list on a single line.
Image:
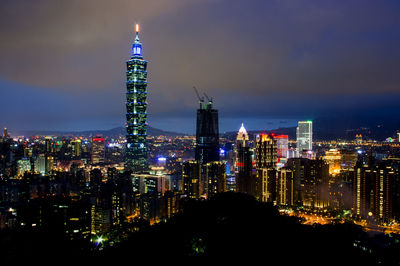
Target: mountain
[(324, 128), (340, 127), (118, 131)]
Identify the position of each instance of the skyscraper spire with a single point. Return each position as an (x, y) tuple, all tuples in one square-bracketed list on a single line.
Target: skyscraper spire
[(242, 134), (137, 46), (242, 137)]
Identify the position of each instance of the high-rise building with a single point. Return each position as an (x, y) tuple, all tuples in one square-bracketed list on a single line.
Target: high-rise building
[(359, 138), (151, 183), (98, 150), (5, 133), (207, 133), (374, 189), (76, 146), (49, 145), (304, 137), (282, 145), (191, 179), (311, 182), (23, 165), (245, 179), (266, 162), (282, 148), (334, 159), (203, 180), (136, 109), (49, 164), (215, 177), (40, 164), (285, 187)]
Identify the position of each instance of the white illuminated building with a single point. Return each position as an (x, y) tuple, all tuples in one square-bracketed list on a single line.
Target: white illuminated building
[(304, 137)]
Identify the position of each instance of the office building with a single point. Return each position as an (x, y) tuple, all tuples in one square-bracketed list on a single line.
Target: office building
[(303, 137), (311, 182), (49, 145), (266, 162), (98, 150), (215, 178), (5, 133), (374, 188), (23, 165), (136, 109), (245, 178), (334, 159), (191, 179), (282, 148), (76, 146), (285, 188)]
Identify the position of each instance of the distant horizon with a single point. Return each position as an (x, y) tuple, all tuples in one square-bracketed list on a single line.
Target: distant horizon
[(270, 124)]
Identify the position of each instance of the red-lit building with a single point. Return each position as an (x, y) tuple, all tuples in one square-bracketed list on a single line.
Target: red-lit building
[(98, 150)]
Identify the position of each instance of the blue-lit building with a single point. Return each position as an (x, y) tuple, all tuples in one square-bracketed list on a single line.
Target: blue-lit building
[(136, 109)]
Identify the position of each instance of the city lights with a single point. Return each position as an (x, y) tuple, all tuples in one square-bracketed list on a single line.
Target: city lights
[(287, 149)]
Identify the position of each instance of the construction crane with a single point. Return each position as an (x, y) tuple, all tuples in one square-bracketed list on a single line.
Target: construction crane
[(208, 98), (201, 99)]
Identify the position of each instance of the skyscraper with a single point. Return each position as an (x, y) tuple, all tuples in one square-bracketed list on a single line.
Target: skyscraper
[(207, 133), (98, 150), (136, 113), (245, 181), (304, 137), (5, 133), (266, 162), (191, 179), (76, 146), (310, 180), (374, 188)]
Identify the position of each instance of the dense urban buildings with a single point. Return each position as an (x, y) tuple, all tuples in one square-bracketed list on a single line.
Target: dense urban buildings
[(136, 109), (100, 189)]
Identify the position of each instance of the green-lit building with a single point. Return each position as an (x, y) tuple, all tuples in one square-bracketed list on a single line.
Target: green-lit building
[(136, 113)]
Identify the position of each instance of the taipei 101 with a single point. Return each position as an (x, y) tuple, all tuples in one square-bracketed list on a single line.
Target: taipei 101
[(200, 131)]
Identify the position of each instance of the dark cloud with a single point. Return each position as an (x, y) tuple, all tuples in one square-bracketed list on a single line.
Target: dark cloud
[(258, 59)]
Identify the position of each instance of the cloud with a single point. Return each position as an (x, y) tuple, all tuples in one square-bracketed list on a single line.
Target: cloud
[(256, 58)]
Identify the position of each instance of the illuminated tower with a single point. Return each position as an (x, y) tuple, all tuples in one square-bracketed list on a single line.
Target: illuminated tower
[(245, 182), (266, 162), (136, 105), (98, 150), (304, 137), (5, 133)]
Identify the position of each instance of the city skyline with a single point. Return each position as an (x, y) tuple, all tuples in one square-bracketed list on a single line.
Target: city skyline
[(119, 160), (301, 61)]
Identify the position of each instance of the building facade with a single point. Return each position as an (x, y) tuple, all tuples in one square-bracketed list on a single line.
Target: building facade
[(303, 137), (136, 109), (245, 179), (266, 162), (98, 150), (207, 134)]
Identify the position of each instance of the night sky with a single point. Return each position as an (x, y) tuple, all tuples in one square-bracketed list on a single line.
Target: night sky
[(267, 63)]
